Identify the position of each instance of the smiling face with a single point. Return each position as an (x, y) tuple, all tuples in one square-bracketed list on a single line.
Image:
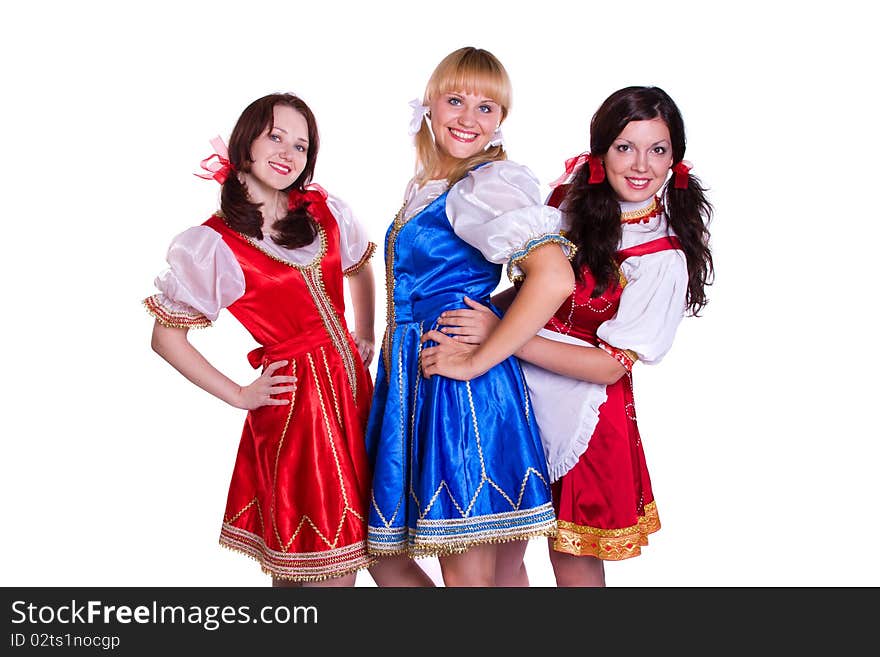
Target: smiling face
[(279, 153), (463, 124), (639, 159)]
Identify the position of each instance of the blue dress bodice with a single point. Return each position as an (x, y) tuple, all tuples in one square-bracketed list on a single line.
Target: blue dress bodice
[(433, 268), (455, 463)]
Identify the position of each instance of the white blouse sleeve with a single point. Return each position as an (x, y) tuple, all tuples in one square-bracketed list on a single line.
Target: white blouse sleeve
[(652, 305), (354, 247), (203, 278), (497, 209)]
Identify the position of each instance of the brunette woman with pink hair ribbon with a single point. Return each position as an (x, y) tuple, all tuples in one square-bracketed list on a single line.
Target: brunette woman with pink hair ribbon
[(275, 256)]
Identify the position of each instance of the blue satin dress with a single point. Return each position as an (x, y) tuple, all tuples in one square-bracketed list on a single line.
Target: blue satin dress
[(455, 463)]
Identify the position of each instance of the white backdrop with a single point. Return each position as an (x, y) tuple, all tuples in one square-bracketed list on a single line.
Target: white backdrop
[(757, 425)]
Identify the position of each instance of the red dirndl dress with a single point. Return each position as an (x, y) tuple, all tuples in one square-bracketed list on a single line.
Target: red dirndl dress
[(298, 496), (605, 506)]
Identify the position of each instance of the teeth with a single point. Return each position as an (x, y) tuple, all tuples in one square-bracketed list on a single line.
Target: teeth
[(279, 167), (463, 135)]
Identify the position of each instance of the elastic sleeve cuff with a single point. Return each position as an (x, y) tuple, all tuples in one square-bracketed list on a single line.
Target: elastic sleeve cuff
[(356, 267), (174, 318), (515, 272), (625, 357)]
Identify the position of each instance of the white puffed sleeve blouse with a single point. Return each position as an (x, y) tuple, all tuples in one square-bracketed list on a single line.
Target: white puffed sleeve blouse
[(497, 209), (653, 302), (652, 305), (203, 275)]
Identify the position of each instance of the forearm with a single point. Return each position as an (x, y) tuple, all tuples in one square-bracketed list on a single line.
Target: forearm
[(172, 345), (548, 282), (362, 288), (571, 360)]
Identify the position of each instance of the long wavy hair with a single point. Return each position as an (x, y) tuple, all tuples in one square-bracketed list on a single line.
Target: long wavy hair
[(297, 228), (468, 70), (595, 212)]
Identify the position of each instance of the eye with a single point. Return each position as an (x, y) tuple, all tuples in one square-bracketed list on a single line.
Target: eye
[(622, 148), (300, 148), (454, 101), (486, 109), (274, 137), (660, 150)]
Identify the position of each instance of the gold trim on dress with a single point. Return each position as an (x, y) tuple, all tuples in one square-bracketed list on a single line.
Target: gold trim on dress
[(302, 566), (356, 267), (412, 415), (278, 458), (174, 318), (316, 261), (332, 387), (314, 280), (390, 315), (533, 244), (425, 545), (642, 215), (607, 544)]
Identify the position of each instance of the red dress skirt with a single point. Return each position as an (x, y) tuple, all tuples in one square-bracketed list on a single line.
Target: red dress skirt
[(298, 497), (604, 504)]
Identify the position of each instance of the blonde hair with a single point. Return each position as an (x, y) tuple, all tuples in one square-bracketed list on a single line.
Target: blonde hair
[(467, 70)]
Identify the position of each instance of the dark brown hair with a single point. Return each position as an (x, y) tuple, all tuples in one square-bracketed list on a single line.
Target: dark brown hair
[(595, 212), (241, 214)]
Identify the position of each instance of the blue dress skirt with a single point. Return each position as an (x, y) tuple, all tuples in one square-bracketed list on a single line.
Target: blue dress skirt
[(455, 463)]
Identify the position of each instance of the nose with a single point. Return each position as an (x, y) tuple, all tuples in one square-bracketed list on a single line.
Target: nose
[(640, 163), (467, 119)]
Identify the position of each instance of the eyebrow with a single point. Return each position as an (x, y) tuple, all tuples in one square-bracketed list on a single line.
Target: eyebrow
[(299, 139), (627, 141), (459, 94)]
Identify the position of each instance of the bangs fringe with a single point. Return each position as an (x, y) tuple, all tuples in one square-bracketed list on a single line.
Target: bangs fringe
[(474, 73)]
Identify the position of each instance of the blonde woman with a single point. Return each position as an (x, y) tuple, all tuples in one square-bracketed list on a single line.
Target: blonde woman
[(459, 471)]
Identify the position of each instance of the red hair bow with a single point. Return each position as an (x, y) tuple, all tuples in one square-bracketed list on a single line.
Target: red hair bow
[(681, 171), (217, 165), (311, 194), (573, 165)]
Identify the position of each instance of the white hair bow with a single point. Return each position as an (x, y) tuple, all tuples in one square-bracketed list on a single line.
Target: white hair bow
[(419, 112), (497, 139)]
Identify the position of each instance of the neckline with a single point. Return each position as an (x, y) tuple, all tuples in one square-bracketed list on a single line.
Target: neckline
[(322, 250), (641, 212), (316, 260)]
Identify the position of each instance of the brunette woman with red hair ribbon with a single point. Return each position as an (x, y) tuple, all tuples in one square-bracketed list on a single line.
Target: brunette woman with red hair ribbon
[(643, 262), (275, 256)]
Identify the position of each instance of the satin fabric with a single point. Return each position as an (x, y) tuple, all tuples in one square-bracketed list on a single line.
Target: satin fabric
[(605, 504), (455, 463), (297, 499)]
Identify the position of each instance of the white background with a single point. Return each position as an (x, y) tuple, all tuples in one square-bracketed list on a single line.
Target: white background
[(758, 426)]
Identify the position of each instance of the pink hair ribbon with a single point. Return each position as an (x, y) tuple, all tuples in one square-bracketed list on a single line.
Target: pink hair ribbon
[(217, 164), (681, 171)]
